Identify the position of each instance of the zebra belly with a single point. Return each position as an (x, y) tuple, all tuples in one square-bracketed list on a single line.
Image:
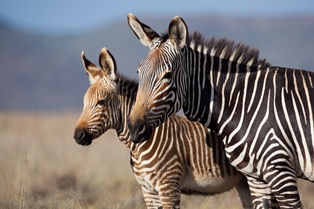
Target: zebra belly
[(206, 183)]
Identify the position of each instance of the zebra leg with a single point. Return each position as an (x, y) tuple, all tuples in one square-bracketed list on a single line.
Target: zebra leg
[(244, 193), (262, 197), (151, 198), (283, 185), (169, 193)]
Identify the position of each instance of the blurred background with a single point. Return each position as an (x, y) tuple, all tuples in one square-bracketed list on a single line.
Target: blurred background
[(41, 41), (42, 83)]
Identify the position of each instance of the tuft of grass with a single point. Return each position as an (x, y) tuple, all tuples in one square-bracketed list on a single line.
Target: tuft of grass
[(15, 191), (42, 167), (24, 173)]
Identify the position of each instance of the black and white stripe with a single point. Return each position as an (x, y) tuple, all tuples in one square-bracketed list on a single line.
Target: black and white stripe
[(262, 114)]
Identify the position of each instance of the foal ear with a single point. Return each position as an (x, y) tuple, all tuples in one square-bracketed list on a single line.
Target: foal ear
[(178, 32), (143, 32), (93, 72), (107, 63)]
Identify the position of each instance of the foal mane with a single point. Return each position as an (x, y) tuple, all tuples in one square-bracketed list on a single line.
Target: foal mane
[(226, 49), (127, 83)]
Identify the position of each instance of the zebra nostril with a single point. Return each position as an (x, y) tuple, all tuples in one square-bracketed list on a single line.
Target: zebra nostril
[(130, 126), (141, 129), (82, 137), (79, 134)]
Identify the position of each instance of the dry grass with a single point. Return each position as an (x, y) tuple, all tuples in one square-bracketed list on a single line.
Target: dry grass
[(41, 166)]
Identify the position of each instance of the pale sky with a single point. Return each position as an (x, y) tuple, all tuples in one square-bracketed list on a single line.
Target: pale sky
[(71, 16)]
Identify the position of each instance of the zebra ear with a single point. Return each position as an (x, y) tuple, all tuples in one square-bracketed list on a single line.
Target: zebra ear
[(107, 63), (143, 32), (93, 72), (178, 32)]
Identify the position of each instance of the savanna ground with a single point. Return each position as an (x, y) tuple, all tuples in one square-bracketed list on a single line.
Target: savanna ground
[(41, 166)]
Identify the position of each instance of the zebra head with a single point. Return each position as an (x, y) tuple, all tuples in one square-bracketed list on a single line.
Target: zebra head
[(100, 101), (157, 96)]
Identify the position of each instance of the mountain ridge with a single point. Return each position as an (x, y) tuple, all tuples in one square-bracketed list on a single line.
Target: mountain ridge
[(44, 72)]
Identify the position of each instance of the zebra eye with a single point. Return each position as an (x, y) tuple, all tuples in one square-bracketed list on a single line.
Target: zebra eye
[(101, 102), (168, 75)]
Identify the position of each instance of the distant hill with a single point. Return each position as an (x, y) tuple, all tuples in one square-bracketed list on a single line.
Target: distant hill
[(43, 72)]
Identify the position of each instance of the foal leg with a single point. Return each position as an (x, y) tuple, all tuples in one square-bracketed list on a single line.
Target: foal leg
[(169, 193), (151, 198)]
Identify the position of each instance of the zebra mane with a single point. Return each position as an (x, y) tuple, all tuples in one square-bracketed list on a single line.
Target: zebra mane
[(225, 49)]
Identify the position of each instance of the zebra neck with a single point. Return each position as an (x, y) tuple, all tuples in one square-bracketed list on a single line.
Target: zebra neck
[(208, 78), (196, 86), (127, 90)]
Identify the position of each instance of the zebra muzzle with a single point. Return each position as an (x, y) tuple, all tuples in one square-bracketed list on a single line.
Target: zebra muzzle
[(82, 137), (139, 131)]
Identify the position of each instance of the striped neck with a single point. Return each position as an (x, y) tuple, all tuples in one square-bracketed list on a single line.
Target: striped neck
[(211, 70), (127, 90)]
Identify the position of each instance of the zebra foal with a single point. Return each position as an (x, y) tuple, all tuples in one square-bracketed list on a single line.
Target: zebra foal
[(264, 115), (180, 156)]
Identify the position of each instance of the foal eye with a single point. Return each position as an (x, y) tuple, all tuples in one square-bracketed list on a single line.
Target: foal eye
[(101, 102)]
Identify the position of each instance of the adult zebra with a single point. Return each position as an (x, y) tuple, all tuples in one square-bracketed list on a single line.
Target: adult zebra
[(262, 114), (180, 157)]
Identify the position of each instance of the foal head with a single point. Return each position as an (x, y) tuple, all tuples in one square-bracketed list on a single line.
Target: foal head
[(100, 101)]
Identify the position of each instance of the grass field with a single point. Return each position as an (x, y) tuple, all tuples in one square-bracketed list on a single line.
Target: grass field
[(41, 166)]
